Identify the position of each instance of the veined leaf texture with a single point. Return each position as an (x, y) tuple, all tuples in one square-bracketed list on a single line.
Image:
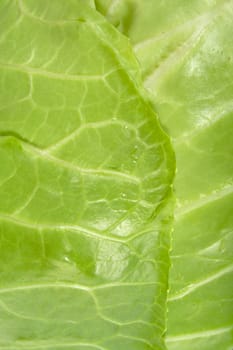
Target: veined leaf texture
[(185, 51), (85, 185)]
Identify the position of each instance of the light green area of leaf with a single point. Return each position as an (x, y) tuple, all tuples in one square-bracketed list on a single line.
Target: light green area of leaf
[(85, 176), (185, 49)]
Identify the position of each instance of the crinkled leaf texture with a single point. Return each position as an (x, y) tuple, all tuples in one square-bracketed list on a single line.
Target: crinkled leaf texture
[(185, 49), (85, 177)]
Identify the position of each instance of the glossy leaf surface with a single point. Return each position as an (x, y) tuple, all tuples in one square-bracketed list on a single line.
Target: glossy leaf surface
[(185, 51), (86, 173)]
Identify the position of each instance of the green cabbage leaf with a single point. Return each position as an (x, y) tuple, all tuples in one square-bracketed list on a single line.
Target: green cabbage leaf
[(85, 185), (185, 49)]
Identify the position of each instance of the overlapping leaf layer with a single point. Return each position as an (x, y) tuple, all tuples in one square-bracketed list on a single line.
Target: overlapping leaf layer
[(86, 175), (185, 50)]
